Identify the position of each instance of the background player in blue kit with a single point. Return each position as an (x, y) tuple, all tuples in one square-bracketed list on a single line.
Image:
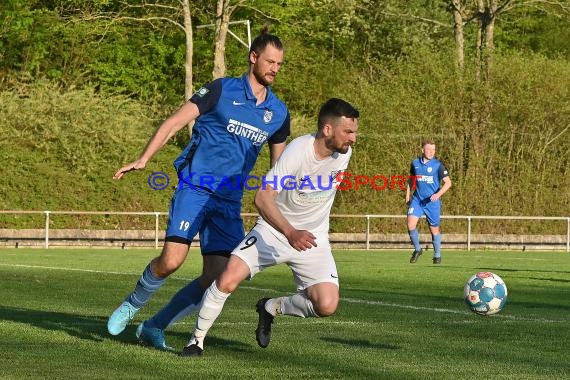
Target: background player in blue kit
[(428, 173), (234, 118)]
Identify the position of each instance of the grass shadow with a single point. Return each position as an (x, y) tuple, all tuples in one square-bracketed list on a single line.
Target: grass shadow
[(361, 343), (210, 340), (92, 328)]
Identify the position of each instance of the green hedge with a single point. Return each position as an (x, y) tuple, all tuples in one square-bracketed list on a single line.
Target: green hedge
[(506, 145)]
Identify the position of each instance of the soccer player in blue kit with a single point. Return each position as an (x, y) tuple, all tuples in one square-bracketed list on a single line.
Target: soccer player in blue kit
[(234, 118), (428, 173)]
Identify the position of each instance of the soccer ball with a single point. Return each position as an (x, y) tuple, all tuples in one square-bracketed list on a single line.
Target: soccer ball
[(485, 293)]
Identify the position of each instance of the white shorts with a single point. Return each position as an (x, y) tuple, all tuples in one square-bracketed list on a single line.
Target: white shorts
[(262, 248)]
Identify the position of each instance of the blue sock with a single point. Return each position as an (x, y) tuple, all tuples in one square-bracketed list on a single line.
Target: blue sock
[(436, 245), (146, 286), (183, 303), (415, 238)]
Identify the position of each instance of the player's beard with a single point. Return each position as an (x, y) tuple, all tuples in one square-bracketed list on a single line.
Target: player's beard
[(265, 79), (337, 147), (343, 149)]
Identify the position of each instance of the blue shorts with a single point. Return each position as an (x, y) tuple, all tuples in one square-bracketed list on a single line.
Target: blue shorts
[(217, 220), (432, 210)]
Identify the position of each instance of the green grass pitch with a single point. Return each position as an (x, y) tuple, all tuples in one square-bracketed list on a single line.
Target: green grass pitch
[(395, 320)]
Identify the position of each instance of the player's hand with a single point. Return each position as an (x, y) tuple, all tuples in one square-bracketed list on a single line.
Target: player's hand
[(407, 200), (137, 165), (302, 240), (435, 197)]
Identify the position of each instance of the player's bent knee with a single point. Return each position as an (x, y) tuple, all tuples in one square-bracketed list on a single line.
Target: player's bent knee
[(325, 311), (226, 285), (326, 307), (434, 230)]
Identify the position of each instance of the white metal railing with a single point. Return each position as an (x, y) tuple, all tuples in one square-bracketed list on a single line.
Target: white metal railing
[(48, 213), (468, 218)]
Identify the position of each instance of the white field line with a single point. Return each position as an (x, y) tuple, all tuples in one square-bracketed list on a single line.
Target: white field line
[(349, 300), (511, 258)]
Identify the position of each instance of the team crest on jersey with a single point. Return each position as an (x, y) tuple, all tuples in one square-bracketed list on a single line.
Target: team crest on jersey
[(429, 169), (201, 92), (267, 116)]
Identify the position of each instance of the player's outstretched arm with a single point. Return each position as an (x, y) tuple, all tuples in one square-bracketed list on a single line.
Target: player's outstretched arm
[(184, 115), (137, 165)]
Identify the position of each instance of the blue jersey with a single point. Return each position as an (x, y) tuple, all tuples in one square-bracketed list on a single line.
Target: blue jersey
[(228, 136), (428, 177)]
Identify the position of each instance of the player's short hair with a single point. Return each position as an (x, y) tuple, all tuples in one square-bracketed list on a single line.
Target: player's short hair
[(335, 108), (427, 142), (260, 42)]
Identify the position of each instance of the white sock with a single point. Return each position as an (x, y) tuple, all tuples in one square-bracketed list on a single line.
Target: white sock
[(273, 306), (298, 305), (212, 305)]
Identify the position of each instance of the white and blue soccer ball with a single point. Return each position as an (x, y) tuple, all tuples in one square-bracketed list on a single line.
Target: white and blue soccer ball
[(485, 293)]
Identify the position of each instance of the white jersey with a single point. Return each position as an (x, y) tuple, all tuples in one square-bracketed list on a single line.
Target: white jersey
[(306, 185)]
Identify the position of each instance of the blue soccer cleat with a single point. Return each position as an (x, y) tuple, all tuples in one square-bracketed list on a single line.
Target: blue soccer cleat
[(153, 337), (121, 318)]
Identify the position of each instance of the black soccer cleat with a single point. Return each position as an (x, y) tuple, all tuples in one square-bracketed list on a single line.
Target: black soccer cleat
[(191, 350), (437, 260), (263, 331), (415, 256)]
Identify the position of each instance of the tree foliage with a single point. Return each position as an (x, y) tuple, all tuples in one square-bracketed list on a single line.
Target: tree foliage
[(505, 141)]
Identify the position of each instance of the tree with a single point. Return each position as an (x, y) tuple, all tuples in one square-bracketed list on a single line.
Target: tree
[(177, 13), (484, 13), (223, 13)]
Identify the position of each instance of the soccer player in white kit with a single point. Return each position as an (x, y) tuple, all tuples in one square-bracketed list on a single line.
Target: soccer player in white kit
[(294, 201)]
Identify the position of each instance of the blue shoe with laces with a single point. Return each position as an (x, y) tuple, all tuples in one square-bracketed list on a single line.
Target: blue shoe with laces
[(153, 337), (121, 318)]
